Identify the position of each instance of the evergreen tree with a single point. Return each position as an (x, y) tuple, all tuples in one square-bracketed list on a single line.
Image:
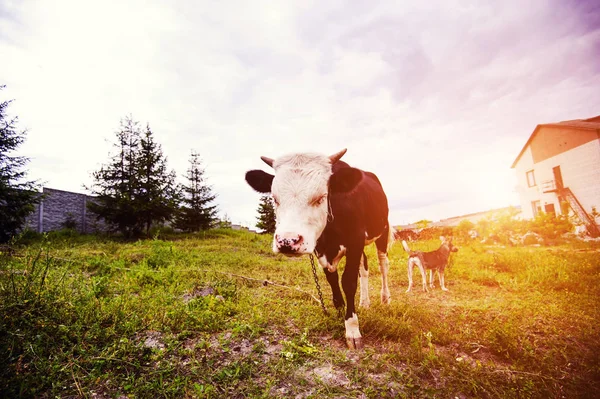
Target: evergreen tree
[(158, 193), (17, 197), (115, 184), (224, 222), (196, 212), (266, 214), (134, 190)]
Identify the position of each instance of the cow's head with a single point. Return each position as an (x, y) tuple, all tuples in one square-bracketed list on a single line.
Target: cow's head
[(300, 189)]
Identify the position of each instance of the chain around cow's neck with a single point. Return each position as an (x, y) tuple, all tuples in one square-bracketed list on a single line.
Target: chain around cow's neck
[(314, 270)]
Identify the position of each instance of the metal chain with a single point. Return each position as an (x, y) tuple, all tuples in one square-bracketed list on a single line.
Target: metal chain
[(314, 270)]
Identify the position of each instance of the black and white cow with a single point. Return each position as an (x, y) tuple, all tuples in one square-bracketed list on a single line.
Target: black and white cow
[(323, 205)]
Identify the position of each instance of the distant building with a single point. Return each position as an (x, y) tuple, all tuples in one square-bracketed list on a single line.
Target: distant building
[(240, 227), (560, 164), (472, 217)]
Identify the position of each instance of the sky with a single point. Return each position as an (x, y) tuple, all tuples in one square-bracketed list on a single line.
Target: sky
[(435, 97)]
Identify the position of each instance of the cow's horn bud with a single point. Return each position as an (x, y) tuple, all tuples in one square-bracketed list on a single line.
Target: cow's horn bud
[(267, 160), (336, 157)]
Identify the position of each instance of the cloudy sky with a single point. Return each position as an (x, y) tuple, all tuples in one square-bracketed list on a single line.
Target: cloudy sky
[(436, 97)]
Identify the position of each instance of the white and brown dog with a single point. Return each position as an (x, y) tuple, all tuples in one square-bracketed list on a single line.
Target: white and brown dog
[(433, 260)]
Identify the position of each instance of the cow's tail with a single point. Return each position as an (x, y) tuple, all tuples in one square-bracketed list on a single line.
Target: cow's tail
[(405, 246), (391, 237)]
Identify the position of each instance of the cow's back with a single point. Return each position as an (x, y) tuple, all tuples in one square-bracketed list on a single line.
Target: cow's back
[(363, 209)]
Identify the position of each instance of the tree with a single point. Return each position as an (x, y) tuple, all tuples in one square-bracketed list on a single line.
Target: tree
[(196, 212), (423, 224), (266, 214), (224, 222), (17, 196), (157, 195), (134, 190), (464, 228), (115, 183)]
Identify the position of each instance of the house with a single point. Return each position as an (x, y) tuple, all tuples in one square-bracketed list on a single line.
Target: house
[(558, 170)]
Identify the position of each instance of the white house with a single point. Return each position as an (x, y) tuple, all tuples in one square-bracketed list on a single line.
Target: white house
[(560, 163)]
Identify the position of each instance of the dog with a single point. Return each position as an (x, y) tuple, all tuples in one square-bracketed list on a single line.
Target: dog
[(433, 260)]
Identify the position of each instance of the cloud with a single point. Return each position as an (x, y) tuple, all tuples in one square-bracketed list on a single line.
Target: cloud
[(437, 98)]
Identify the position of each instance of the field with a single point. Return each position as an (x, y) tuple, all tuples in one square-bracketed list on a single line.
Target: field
[(97, 318)]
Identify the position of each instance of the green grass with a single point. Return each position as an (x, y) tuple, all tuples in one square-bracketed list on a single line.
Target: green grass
[(92, 317)]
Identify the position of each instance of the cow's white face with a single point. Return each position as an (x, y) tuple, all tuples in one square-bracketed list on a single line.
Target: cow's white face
[(299, 189)]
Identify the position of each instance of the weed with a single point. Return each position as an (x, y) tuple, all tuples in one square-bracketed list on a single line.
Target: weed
[(88, 316), (300, 348)]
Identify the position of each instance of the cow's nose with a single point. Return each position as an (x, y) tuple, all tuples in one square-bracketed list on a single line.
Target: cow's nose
[(288, 242)]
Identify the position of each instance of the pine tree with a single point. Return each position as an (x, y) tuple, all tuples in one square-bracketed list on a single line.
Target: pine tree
[(196, 213), (115, 184), (158, 192), (266, 214), (134, 190), (17, 197)]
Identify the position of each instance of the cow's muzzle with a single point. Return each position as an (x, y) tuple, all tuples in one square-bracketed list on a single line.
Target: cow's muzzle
[(289, 243)]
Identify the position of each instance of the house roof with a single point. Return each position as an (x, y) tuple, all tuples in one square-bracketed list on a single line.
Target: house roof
[(580, 124)]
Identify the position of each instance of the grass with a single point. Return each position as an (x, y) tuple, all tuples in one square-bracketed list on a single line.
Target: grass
[(91, 317)]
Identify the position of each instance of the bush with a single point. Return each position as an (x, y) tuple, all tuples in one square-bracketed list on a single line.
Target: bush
[(463, 229), (430, 233), (550, 226)]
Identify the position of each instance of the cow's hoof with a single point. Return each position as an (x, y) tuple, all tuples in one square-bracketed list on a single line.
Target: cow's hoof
[(386, 300), (354, 343), (444, 289), (365, 304)]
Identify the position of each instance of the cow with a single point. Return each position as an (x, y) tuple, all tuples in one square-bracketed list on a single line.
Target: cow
[(323, 205), (407, 234)]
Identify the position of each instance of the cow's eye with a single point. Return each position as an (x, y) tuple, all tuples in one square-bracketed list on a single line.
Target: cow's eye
[(318, 200)]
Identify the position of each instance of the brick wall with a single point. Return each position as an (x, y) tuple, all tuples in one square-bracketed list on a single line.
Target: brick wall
[(58, 206)]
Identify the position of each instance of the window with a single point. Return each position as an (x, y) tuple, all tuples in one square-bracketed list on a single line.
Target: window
[(530, 179), (536, 207)]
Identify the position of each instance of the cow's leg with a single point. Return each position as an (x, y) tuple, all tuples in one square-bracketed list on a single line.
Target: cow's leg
[(334, 282), (349, 285), (365, 302), (384, 265)]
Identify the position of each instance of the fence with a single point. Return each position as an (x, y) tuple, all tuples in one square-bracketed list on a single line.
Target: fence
[(59, 207)]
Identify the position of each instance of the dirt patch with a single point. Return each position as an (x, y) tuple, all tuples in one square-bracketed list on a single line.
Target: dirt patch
[(201, 292), (152, 339), (272, 349), (329, 376)]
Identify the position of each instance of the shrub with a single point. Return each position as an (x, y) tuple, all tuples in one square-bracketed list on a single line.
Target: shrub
[(431, 233), (550, 226), (463, 229)]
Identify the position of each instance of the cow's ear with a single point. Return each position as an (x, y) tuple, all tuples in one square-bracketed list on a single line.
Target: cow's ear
[(259, 180), (345, 180)]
